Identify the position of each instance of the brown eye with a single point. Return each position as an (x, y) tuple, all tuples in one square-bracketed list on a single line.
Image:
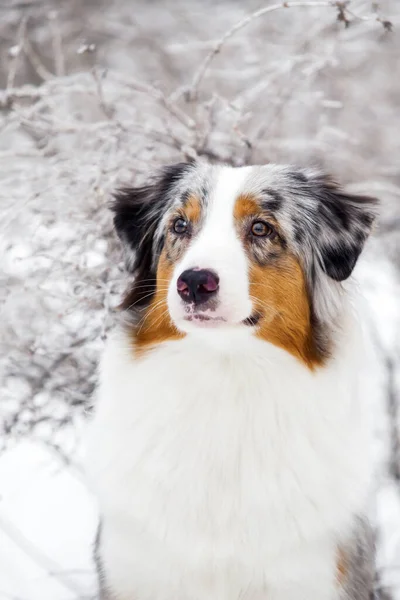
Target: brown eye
[(180, 226), (261, 229)]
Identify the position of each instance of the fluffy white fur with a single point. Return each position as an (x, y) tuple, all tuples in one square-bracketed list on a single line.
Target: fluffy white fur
[(226, 473)]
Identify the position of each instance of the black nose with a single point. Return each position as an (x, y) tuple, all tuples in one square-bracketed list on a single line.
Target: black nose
[(197, 285)]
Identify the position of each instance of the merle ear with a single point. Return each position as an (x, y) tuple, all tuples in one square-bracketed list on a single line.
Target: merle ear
[(138, 212), (345, 222)]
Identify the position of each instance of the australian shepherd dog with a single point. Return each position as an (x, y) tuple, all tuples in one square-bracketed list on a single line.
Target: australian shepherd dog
[(228, 448)]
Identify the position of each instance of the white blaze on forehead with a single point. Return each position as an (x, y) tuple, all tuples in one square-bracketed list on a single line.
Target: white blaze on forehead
[(218, 247), (228, 186), (217, 243)]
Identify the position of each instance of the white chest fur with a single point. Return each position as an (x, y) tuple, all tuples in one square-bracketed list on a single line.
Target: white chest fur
[(225, 474)]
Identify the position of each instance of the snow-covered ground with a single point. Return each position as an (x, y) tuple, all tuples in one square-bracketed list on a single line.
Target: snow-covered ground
[(47, 524), (98, 93)]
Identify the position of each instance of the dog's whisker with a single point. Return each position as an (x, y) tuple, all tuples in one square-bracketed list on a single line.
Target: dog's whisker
[(151, 287), (158, 321), (149, 313), (259, 301), (139, 300)]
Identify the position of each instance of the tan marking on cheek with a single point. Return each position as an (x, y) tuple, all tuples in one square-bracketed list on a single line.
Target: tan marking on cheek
[(342, 567), (156, 325), (279, 294)]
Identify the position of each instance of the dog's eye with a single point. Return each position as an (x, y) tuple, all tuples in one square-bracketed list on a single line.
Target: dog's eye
[(261, 229), (180, 225)]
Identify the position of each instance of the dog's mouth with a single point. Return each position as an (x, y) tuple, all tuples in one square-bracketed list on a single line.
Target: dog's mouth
[(204, 318), (253, 320)]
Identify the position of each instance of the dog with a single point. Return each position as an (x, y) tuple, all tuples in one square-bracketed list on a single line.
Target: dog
[(229, 444)]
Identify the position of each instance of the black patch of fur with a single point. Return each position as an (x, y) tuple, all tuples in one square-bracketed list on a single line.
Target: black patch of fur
[(138, 212), (346, 220), (335, 223), (185, 196), (334, 213), (204, 193), (299, 233), (339, 264), (298, 176), (274, 202)]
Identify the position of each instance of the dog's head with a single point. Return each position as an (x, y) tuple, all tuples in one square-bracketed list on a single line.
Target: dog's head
[(261, 248)]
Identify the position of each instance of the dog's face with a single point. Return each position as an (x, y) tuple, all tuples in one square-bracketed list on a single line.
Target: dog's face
[(259, 248)]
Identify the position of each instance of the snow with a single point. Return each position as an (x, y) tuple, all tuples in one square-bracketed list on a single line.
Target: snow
[(48, 520)]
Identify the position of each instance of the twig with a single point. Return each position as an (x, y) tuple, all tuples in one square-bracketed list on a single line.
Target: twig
[(35, 60), (10, 94), (59, 58), (16, 56), (107, 110), (341, 7), (158, 95), (24, 46)]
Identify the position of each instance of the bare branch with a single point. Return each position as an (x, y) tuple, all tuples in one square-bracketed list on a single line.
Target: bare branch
[(107, 110), (35, 60), (57, 44), (11, 94), (157, 94), (341, 7), (15, 53)]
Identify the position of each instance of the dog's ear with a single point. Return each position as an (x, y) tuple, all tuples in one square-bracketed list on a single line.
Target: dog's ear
[(138, 212), (343, 225)]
